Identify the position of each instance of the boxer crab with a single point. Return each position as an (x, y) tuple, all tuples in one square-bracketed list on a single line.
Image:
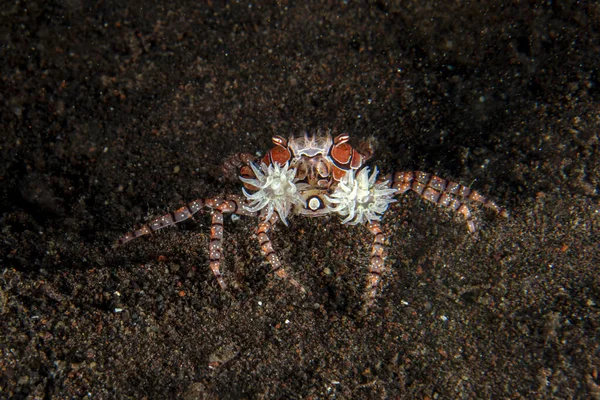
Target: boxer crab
[(315, 177)]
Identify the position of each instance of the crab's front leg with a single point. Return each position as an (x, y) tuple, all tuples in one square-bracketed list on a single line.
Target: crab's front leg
[(376, 263), (266, 247)]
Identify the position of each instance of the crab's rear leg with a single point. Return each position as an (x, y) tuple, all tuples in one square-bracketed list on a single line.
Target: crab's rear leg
[(166, 220), (444, 193), (266, 247), (231, 204)]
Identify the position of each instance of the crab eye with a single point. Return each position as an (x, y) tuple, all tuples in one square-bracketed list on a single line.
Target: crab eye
[(279, 141), (343, 138)]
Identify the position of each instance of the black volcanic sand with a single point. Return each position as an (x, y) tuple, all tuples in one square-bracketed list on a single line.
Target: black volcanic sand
[(113, 114)]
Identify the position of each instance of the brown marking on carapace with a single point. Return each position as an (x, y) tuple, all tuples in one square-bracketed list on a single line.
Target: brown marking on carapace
[(357, 159), (338, 173), (279, 154), (344, 155), (341, 153)]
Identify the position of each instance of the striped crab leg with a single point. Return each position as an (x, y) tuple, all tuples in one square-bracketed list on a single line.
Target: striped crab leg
[(231, 204), (376, 263), (266, 247), (237, 164), (444, 193), (166, 220)]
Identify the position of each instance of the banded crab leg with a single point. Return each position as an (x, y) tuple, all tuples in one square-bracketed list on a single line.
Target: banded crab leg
[(266, 247), (444, 193), (231, 204), (172, 218), (376, 263), (234, 165)]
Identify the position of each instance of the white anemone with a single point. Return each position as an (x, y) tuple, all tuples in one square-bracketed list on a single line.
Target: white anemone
[(276, 190), (358, 197)]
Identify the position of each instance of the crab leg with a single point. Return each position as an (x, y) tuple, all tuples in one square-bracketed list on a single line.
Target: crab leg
[(231, 204), (166, 220), (184, 213), (376, 263), (444, 193), (232, 165), (266, 247), (215, 249)]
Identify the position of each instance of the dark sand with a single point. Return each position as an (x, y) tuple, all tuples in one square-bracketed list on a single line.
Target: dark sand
[(112, 114)]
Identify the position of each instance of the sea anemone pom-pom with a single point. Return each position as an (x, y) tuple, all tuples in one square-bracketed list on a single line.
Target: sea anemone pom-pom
[(358, 197), (276, 190)]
